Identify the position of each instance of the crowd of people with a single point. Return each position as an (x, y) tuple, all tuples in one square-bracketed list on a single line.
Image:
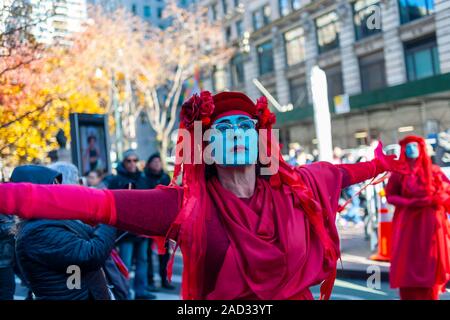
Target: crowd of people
[(39, 251), (243, 234), (355, 211)]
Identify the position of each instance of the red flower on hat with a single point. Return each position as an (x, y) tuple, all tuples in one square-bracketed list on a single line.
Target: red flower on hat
[(265, 118), (197, 108), (207, 107)]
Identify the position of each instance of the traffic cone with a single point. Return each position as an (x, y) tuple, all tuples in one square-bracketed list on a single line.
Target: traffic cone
[(384, 230)]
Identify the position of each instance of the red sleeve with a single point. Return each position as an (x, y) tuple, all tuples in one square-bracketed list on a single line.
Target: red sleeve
[(147, 212), (57, 202), (393, 187), (394, 195), (359, 172)]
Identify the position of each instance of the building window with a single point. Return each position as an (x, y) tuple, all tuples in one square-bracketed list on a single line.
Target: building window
[(372, 70), (415, 9), (218, 79), (159, 12), (362, 11), (266, 14), (334, 82), (134, 8), (214, 12), (422, 59), (265, 58), (257, 20), (295, 46), (284, 7), (296, 4), (298, 92), (147, 12), (224, 6), (261, 17), (327, 32), (239, 28), (237, 70), (236, 3), (228, 33)]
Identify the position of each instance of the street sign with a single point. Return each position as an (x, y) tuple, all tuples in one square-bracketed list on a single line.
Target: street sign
[(341, 104)]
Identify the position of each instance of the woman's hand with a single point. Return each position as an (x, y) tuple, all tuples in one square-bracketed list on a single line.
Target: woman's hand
[(388, 163), (410, 202), (441, 199), (424, 201)]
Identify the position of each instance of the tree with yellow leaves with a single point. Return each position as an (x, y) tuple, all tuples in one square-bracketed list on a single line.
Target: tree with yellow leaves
[(35, 105)]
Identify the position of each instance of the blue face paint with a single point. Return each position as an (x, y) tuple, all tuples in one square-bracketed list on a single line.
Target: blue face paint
[(237, 140), (412, 150)]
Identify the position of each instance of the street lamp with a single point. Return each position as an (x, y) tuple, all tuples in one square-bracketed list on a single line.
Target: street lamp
[(272, 100)]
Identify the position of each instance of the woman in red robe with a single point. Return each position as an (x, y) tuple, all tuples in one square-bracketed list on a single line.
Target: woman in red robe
[(420, 264), (243, 235)]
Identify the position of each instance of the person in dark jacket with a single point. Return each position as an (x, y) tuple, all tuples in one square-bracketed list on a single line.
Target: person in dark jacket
[(7, 278), (154, 172), (129, 177), (61, 260), (155, 175)]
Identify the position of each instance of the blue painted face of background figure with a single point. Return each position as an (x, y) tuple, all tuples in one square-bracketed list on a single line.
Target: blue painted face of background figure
[(236, 140), (412, 150)]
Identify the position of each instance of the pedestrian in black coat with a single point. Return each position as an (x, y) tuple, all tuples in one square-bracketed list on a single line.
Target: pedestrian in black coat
[(7, 277), (61, 260), (133, 248), (154, 173), (128, 175), (155, 176)]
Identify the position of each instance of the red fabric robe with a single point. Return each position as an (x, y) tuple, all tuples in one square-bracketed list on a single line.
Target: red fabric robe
[(421, 236), (265, 249), (420, 263)]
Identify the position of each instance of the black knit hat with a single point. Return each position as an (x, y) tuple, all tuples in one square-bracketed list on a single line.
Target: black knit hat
[(152, 157)]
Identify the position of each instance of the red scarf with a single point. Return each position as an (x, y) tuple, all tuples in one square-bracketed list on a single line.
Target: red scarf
[(189, 229), (273, 253), (422, 166)]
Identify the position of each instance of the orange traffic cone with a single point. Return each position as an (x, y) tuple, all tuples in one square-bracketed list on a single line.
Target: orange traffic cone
[(384, 231)]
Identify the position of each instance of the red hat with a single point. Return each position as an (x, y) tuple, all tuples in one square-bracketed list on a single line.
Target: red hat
[(208, 108), (232, 103)]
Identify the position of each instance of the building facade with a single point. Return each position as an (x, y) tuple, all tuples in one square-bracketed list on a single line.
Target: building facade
[(59, 20), (387, 64), (148, 10)]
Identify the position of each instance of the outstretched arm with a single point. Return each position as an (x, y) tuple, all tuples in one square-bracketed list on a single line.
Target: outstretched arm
[(359, 172), (148, 212)]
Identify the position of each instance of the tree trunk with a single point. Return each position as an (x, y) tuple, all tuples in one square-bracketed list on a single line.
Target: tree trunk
[(163, 146)]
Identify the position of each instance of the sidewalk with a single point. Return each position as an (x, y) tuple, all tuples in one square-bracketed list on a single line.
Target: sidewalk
[(355, 252)]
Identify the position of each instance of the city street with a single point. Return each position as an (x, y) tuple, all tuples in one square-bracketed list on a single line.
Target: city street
[(345, 289), (269, 139)]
